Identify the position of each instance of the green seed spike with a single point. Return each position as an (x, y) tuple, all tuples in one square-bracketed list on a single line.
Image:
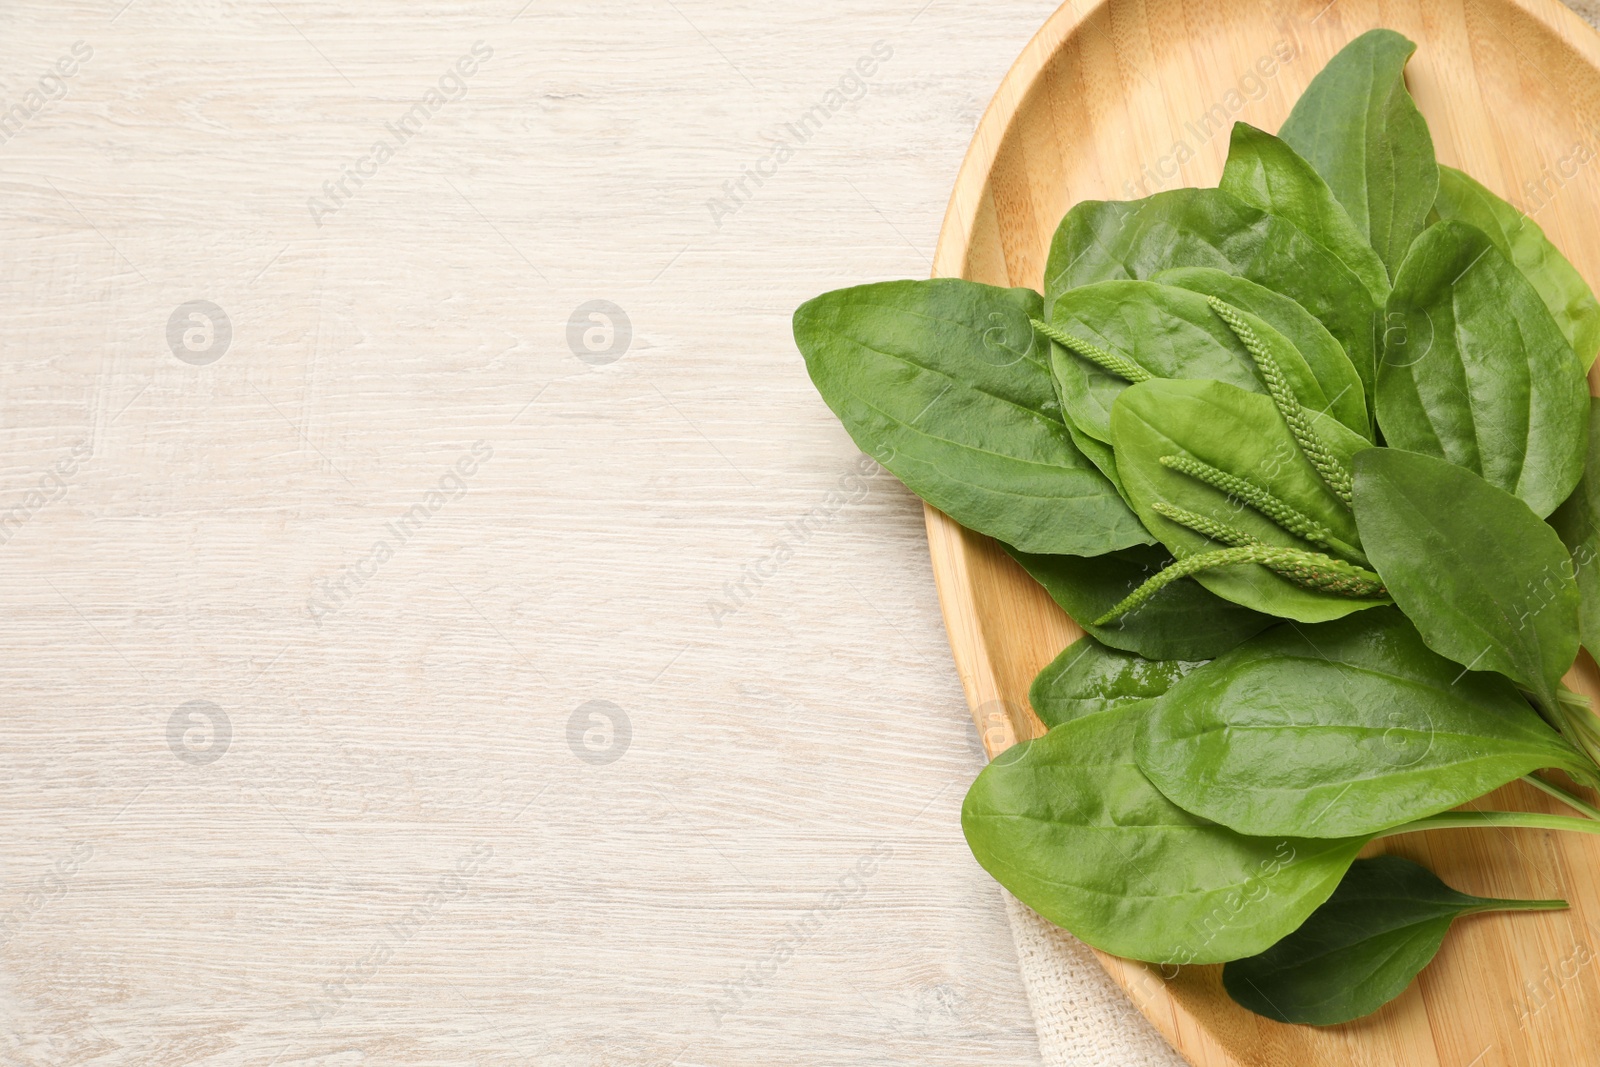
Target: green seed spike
[(1309, 570), (1200, 524), (1279, 511), (1336, 474), (1121, 366)]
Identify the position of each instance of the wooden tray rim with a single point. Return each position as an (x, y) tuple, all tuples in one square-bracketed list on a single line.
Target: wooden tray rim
[(1001, 724)]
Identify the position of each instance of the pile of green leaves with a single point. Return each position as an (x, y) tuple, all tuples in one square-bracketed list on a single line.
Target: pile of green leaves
[(1310, 457)]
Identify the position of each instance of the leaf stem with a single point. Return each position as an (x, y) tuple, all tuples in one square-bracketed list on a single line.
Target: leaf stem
[(1495, 904), (1562, 795), (1528, 820)]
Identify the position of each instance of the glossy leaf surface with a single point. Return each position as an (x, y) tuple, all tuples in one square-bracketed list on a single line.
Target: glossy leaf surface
[(1103, 240), (1071, 826), (1183, 621), (1241, 434), (1169, 332), (1578, 524), (1361, 948), (1089, 677), (1475, 370), (1347, 728), (945, 383), (1323, 355), (1358, 126), (1519, 238), (1486, 583), (1265, 172)]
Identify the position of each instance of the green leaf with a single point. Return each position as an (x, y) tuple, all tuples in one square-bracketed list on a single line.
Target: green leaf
[(1520, 240), (1347, 728), (1578, 524), (1069, 824), (1097, 452), (1358, 126), (1487, 584), (1184, 621), (1103, 240), (1168, 332), (1265, 172), (1361, 948), (1240, 434), (1475, 371), (1323, 355), (945, 383), (1088, 678)]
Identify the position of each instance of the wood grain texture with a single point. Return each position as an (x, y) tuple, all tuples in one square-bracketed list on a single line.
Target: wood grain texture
[(1096, 108), (399, 858)]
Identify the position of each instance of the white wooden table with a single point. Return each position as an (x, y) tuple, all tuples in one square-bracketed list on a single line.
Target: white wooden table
[(395, 675)]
